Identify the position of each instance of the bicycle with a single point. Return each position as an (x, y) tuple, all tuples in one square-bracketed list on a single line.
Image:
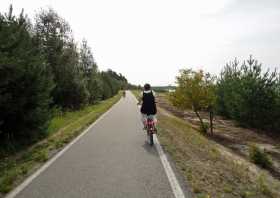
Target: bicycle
[(151, 130)]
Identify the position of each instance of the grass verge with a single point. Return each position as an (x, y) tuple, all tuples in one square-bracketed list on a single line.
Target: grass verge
[(62, 129), (207, 171), (136, 93)]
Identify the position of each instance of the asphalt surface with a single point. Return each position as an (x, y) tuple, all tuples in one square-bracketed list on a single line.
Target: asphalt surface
[(112, 160)]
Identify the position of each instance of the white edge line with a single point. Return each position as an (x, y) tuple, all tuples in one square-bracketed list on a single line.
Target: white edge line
[(29, 179), (176, 188)]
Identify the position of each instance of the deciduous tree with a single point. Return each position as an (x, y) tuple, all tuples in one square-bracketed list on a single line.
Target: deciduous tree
[(196, 91)]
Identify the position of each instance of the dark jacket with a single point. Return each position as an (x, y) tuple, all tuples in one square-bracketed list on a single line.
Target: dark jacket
[(148, 103)]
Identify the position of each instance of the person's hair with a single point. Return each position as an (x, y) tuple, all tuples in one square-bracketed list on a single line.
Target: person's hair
[(147, 87)]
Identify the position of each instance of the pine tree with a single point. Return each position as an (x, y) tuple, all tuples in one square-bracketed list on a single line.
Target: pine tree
[(25, 82), (249, 95)]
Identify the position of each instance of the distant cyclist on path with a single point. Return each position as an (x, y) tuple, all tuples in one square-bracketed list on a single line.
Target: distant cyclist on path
[(124, 93)]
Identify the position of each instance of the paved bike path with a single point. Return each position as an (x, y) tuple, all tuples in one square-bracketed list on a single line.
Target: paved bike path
[(112, 160)]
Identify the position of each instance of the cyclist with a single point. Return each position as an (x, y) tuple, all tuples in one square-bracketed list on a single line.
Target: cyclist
[(148, 107), (124, 93)]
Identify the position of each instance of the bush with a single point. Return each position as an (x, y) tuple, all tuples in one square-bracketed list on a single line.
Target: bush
[(204, 129), (259, 157)]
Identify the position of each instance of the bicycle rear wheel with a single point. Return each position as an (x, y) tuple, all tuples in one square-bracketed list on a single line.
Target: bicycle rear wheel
[(151, 138)]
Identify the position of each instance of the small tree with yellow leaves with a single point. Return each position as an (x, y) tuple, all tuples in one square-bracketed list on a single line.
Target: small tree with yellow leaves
[(195, 90)]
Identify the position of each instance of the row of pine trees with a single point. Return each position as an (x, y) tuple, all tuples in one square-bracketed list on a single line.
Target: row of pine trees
[(249, 94), (43, 69)]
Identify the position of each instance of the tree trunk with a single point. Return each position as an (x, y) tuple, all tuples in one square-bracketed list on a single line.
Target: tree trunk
[(201, 121), (211, 115)]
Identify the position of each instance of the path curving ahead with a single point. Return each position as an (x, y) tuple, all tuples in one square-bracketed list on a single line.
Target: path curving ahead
[(112, 160)]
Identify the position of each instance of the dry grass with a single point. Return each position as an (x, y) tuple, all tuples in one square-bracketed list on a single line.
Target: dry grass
[(207, 170), (229, 134)]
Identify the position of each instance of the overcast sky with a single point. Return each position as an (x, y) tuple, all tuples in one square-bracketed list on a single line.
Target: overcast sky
[(150, 40)]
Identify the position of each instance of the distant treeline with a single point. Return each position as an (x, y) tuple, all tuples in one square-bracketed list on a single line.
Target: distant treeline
[(243, 92), (163, 88), (43, 69), (154, 88)]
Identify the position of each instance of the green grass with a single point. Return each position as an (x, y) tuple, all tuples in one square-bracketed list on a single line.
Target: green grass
[(136, 93), (62, 129), (63, 119)]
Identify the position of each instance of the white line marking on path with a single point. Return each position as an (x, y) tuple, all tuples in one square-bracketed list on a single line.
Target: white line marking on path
[(27, 181), (176, 188)]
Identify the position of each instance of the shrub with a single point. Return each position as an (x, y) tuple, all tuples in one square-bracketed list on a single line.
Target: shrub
[(259, 157), (204, 129)]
